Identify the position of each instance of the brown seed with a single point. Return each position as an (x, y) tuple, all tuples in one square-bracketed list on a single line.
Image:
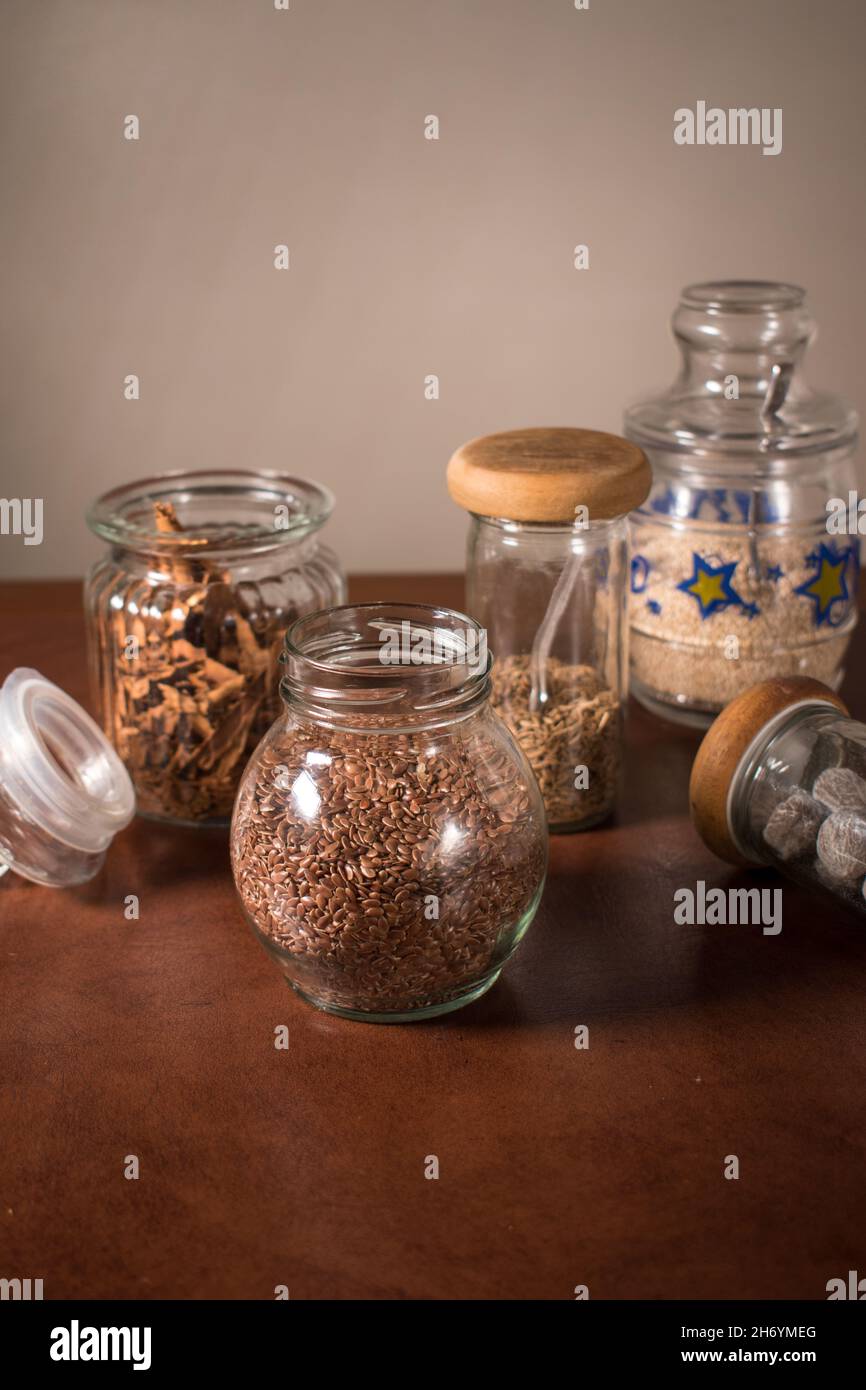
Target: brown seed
[(356, 917), (581, 728)]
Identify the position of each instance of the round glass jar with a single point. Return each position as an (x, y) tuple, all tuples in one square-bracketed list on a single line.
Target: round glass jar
[(185, 619), (780, 779), (64, 793), (735, 576), (388, 841), (547, 578)]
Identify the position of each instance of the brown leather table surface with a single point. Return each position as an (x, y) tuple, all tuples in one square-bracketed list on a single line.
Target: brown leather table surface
[(305, 1167)]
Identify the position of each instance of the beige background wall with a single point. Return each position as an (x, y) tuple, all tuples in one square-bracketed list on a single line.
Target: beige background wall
[(408, 256)]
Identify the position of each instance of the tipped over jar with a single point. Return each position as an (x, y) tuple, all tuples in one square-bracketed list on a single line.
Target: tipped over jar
[(388, 841), (780, 780)]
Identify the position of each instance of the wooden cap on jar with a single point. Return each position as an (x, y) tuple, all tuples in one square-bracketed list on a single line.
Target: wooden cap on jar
[(546, 474), (725, 745)]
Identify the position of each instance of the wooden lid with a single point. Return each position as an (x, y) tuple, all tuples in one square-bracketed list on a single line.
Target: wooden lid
[(546, 474), (726, 742)]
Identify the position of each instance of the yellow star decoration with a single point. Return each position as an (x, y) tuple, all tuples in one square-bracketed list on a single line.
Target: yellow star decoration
[(827, 584), (709, 589)]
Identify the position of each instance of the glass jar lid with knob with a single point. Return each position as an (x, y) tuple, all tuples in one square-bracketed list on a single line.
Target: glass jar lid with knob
[(737, 575)]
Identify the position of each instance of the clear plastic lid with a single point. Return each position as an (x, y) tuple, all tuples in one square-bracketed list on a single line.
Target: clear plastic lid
[(64, 793), (741, 389)]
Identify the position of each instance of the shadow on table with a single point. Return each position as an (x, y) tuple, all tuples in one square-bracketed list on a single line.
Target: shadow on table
[(657, 764), (152, 853), (600, 948)]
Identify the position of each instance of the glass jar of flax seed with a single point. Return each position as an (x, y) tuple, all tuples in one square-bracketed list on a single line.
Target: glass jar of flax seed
[(546, 577), (388, 840), (186, 614), (780, 779), (736, 574)]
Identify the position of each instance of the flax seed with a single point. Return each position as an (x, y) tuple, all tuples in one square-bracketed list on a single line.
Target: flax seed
[(352, 916)]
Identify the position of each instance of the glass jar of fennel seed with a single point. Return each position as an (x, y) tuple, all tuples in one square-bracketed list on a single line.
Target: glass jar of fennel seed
[(388, 840), (186, 614), (780, 779), (735, 575), (546, 577)]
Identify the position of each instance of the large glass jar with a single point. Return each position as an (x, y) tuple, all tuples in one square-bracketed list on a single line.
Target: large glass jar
[(780, 779), (388, 841), (736, 575), (547, 578), (186, 614)]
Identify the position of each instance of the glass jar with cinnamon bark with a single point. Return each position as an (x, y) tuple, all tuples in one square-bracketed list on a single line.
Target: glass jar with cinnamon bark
[(389, 842), (186, 614)]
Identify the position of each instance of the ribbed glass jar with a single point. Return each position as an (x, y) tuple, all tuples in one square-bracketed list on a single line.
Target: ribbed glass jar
[(388, 843), (737, 572), (186, 614)]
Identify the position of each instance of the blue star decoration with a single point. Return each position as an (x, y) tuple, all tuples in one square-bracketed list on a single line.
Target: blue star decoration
[(654, 606), (711, 587), (827, 588), (640, 571), (774, 573), (719, 503)]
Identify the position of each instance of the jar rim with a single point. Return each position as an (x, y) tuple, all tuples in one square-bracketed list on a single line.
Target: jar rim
[(125, 515), (742, 778), (597, 527), (742, 296), (414, 660)]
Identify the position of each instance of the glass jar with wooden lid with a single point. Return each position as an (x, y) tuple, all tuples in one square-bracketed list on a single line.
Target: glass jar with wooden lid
[(547, 572), (780, 780)]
